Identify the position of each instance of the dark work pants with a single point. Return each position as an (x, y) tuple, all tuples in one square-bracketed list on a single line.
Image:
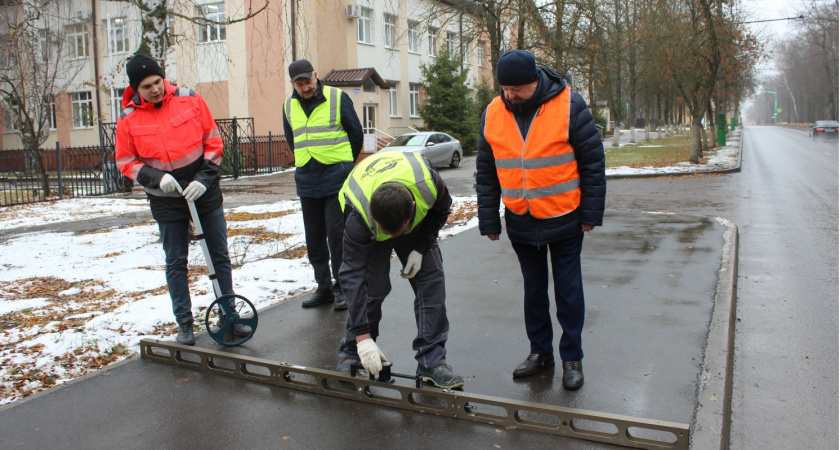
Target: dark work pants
[(323, 225), (176, 244), (429, 288), (568, 295)]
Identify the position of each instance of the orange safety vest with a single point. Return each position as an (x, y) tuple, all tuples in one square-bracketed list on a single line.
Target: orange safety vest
[(538, 175)]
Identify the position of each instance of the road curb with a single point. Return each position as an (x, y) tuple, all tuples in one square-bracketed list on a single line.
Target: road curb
[(737, 168), (712, 417)]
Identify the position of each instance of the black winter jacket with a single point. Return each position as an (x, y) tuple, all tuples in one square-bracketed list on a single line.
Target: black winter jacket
[(589, 153), (318, 180)]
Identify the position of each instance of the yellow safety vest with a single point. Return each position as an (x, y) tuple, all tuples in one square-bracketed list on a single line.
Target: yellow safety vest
[(320, 135), (409, 169)]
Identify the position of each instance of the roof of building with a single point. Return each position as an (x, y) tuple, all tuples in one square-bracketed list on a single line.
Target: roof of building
[(354, 77)]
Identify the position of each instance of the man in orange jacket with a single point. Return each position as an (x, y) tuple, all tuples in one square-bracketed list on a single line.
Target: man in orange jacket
[(166, 139), (540, 154)]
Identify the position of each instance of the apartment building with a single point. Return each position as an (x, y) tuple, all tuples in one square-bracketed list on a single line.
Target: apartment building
[(371, 49)]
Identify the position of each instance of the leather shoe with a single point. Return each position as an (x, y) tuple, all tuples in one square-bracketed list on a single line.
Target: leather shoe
[(533, 364), (320, 297), (572, 375), (340, 304)]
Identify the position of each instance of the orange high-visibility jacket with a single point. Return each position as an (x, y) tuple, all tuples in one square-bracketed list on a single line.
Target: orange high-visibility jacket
[(174, 138), (538, 175)]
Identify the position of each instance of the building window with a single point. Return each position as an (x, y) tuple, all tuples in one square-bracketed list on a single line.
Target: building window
[(480, 50), (50, 101), (82, 109), (369, 86), (116, 103), (45, 45), (212, 28), (363, 26), (392, 94), (431, 37), (8, 117), (414, 99), (465, 53), (452, 45), (77, 38), (413, 37), (117, 36), (390, 31)]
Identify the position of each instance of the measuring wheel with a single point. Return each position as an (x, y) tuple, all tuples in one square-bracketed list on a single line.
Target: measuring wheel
[(231, 319)]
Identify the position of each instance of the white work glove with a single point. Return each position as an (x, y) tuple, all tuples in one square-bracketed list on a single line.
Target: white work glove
[(193, 191), (370, 356), (168, 183), (412, 265)]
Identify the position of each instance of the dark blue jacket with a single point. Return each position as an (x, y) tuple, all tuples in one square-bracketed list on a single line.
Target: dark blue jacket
[(318, 180), (589, 153)]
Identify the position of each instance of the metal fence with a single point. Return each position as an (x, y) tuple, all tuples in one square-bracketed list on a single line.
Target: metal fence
[(36, 175)]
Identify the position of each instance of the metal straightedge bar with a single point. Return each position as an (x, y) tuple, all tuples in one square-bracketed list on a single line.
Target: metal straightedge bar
[(570, 422)]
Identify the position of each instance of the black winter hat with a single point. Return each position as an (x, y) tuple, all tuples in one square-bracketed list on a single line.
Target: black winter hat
[(516, 67), (140, 67), (301, 68)]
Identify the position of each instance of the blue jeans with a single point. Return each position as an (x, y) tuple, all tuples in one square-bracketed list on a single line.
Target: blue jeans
[(568, 295), (176, 244)]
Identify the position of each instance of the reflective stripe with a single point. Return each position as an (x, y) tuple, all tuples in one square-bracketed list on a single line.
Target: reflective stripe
[(333, 106), (547, 191), (357, 192), (320, 142), (178, 163), (535, 163), (420, 179), (323, 129), (184, 92)]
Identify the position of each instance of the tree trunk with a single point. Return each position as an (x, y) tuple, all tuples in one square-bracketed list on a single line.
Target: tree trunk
[(696, 151)]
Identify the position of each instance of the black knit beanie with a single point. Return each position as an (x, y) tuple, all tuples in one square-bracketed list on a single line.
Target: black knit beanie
[(140, 67), (515, 68)]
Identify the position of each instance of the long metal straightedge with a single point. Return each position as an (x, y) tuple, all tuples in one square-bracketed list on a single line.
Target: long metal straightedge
[(576, 423)]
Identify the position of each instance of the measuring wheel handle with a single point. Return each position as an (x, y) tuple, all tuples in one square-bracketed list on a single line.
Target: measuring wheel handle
[(231, 319)]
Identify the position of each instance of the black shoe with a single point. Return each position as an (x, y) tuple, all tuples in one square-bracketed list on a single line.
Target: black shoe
[(533, 364), (185, 333), (320, 297), (340, 304), (572, 375), (345, 363), (441, 376)]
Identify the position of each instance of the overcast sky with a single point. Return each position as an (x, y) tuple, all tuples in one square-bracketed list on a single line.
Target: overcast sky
[(772, 9)]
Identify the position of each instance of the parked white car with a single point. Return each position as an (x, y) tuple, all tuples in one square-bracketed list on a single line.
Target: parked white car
[(440, 149)]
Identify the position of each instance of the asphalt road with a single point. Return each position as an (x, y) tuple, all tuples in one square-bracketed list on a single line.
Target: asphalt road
[(650, 280), (785, 204)]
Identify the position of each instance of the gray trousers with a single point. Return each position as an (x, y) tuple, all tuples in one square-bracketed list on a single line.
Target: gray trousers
[(429, 301)]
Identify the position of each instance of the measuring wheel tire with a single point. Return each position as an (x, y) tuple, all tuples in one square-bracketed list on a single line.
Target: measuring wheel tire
[(231, 319)]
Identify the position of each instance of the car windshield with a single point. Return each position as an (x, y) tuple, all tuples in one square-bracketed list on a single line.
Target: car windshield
[(407, 140), (826, 123)]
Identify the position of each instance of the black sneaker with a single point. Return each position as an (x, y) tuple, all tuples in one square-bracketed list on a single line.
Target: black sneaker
[(441, 376), (320, 297), (186, 335), (238, 329)]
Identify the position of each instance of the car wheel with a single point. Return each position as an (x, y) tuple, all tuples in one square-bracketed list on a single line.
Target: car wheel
[(456, 160)]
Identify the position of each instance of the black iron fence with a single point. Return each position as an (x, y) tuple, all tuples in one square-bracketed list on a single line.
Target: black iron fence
[(28, 176)]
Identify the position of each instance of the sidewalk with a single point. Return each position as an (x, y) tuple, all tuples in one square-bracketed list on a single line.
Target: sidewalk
[(650, 280)]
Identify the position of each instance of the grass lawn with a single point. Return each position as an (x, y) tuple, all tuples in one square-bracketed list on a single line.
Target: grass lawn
[(653, 153)]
